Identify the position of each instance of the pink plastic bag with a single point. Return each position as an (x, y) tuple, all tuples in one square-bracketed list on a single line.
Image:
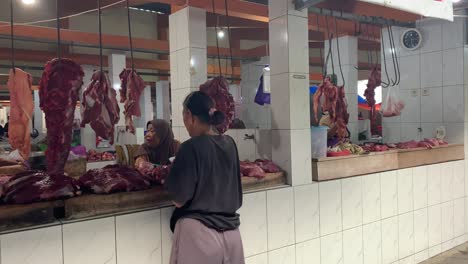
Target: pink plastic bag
[(392, 105)]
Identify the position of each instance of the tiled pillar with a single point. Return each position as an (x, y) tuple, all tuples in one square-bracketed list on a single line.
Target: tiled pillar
[(163, 103), (349, 61), (290, 106), (188, 59), (117, 62)]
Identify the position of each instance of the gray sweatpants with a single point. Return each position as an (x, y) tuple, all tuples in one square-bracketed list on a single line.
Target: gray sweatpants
[(194, 243)]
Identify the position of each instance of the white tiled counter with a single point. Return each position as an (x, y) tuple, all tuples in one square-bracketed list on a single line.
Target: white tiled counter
[(402, 216)]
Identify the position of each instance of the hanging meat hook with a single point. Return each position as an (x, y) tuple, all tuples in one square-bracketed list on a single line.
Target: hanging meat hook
[(12, 38), (338, 51), (130, 34)]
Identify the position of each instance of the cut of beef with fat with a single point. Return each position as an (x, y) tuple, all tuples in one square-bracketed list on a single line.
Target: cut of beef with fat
[(100, 107), (218, 90), (58, 92), (132, 86), (114, 178), (250, 169), (21, 110), (36, 186)]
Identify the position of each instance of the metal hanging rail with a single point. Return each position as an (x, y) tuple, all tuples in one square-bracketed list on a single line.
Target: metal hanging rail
[(301, 4), (361, 19)]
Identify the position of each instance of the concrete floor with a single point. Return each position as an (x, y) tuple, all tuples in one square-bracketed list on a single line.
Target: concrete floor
[(458, 255)]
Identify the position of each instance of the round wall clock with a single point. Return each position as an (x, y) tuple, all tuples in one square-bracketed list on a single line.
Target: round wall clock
[(411, 39)]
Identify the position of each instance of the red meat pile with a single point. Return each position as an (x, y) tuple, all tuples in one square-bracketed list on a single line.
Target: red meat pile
[(93, 155), (114, 178), (35, 186), (426, 143), (258, 169), (372, 147), (58, 92), (218, 90), (132, 86), (100, 106), (335, 103)]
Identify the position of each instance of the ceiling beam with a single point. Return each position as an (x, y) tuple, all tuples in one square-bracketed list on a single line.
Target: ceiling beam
[(301, 4), (38, 56)]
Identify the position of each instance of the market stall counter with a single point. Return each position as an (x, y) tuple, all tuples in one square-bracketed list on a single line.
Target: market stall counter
[(15, 217), (325, 169)]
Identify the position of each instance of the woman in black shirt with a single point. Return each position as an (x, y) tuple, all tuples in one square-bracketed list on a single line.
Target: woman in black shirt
[(205, 186)]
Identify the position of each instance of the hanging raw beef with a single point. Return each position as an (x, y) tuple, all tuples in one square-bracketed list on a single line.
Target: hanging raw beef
[(100, 107), (58, 92), (21, 111), (132, 86), (218, 90), (373, 82)]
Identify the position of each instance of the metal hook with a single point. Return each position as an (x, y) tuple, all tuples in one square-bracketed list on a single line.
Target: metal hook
[(100, 35), (130, 34), (12, 38)]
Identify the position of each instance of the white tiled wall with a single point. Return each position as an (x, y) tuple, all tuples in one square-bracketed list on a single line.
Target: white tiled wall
[(359, 220), (253, 115), (259, 148), (432, 79)]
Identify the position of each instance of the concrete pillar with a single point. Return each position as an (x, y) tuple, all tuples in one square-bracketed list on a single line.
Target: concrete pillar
[(349, 61), (290, 108), (188, 59), (163, 102)]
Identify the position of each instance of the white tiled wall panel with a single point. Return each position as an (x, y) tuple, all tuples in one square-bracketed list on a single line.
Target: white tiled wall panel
[(280, 212), (254, 223), (142, 232), (31, 247), (330, 207), (90, 242), (307, 211), (389, 193), (304, 224), (371, 198), (308, 252), (372, 237)]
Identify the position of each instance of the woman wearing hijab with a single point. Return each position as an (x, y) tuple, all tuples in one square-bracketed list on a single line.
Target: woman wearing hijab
[(159, 146), (205, 186)]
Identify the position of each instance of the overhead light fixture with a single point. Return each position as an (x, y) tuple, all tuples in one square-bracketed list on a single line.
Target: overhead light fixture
[(455, 1), (221, 34), (29, 2)]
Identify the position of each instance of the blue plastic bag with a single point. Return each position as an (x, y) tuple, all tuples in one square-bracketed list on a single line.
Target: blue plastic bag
[(262, 97)]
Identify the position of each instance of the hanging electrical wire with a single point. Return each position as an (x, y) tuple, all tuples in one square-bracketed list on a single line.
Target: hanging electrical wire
[(12, 38), (320, 48), (65, 17), (228, 24), (330, 53), (338, 51), (59, 47), (217, 41), (100, 37), (130, 34)]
